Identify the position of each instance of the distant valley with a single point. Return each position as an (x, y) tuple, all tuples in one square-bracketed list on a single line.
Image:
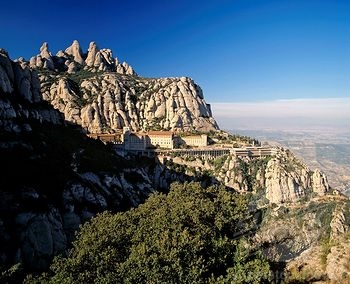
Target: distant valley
[(326, 149)]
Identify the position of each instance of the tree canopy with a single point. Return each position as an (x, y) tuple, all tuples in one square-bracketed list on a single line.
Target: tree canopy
[(190, 235)]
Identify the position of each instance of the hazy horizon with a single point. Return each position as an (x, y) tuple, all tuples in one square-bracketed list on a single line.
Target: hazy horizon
[(297, 114)]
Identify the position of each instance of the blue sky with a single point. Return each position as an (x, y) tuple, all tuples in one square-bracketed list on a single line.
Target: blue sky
[(238, 51)]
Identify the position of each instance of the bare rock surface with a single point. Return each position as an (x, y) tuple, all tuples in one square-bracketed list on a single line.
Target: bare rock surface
[(75, 51), (287, 179), (103, 95)]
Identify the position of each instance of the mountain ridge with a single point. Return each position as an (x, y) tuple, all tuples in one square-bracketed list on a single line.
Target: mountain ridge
[(97, 92)]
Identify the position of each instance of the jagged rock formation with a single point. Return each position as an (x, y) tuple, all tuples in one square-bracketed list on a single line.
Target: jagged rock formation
[(75, 51), (283, 185), (6, 72), (107, 104), (73, 60), (17, 77), (320, 183), (243, 173), (90, 91), (288, 179), (44, 59)]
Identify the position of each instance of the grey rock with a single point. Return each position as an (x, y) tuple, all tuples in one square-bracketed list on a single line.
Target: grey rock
[(6, 73), (320, 183), (42, 237)]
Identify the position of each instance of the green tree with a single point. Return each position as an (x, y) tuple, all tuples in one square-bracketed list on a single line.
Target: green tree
[(191, 235)]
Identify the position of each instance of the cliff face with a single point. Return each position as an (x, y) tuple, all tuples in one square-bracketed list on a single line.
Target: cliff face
[(19, 84), (97, 92), (287, 179)]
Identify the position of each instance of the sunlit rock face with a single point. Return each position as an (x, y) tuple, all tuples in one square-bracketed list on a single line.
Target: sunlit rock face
[(320, 182), (288, 179), (97, 92)]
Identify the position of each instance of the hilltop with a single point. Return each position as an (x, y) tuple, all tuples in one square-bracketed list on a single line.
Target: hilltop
[(94, 90)]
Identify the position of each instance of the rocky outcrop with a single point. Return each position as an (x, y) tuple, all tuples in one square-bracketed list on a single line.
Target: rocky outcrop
[(339, 225), (6, 73), (72, 60), (283, 177), (21, 85), (237, 172), (44, 59), (280, 177), (90, 91), (92, 54), (102, 60), (107, 102), (125, 68), (75, 51), (320, 183), (27, 82), (283, 185), (287, 179)]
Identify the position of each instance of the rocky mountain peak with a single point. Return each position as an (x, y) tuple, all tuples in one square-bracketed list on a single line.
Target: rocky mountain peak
[(44, 50), (319, 182), (101, 94), (73, 59), (91, 55), (76, 52), (56, 178)]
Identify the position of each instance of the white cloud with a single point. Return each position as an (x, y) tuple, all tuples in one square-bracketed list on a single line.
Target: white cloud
[(331, 112)]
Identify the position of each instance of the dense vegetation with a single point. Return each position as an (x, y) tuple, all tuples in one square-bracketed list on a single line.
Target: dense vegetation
[(191, 235)]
